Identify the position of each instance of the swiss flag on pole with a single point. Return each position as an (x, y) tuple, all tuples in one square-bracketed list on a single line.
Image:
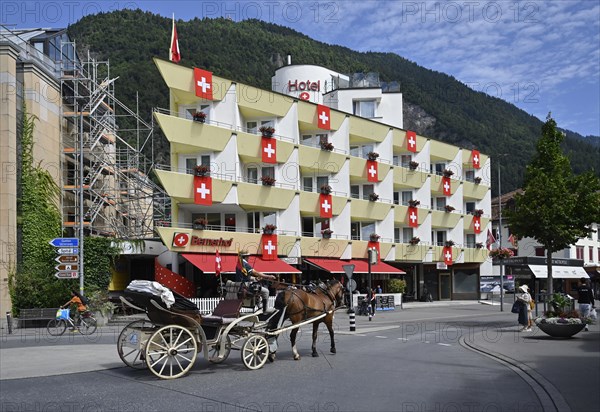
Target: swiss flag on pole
[(476, 159), (269, 150), (411, 141), (269, 247), (413, 216), (325, 205), (203, 83), (448, 255), (372, 171), (323, 117), (174, 55), (476, 224), (446, 186), (490, 240), (203, 190), (217, 263), (180, 239)]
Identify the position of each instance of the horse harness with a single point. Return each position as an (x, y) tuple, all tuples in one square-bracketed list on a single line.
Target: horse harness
[(325, 291)]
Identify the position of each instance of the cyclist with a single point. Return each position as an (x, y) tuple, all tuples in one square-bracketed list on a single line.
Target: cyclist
[(76, 299)]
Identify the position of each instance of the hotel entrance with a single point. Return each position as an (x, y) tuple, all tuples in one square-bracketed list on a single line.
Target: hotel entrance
[(445, 292)]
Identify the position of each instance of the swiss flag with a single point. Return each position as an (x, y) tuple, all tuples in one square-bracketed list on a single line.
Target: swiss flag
[(269, 247), (269, 150), (217, 263), (476, 159), (323, 117), (448, 255), (490, 240), (203, 190), (180, 239), (413, 217), (372, 171), (411, 141), (476, 224), (203, 83), (174, 54), (325, 205), (446, 186), (374, 245)]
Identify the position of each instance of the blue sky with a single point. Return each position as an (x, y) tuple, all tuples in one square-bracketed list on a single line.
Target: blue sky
[(542, 56)]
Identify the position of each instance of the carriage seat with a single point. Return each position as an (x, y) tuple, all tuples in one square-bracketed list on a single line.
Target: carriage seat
[(232, 289), (226, 312)]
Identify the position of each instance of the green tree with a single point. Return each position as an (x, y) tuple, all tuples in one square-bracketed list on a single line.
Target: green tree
[(557, 207)]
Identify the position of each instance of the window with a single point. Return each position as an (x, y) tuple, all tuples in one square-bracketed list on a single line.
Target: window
[(230, 222), (406, 196), (366, 230), (366, 149), (540, 251), (322, 138), (397, 238), (470, 240), (322, 180), (406, 159), (269, 218), (470, 207), (268, 171), (396, 198), (407, 234), (253, 222), (367, 190), (364, 108), (252, 127), (252, 175), (355, 231), (354, 151), (355, 191), (440, 202), (307, 184), (591, 253), (438, 168), (190, 163), (470, 175), (440, 237), (579, 252), (307, 226), (205, 160), (307, 139)]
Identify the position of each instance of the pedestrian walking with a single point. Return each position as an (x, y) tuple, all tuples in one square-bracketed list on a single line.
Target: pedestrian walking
[(585, 299), (525, 318)]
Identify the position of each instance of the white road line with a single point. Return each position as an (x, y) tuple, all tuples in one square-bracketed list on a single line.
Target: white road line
[(403, 339), (444, 344), (381, 337)]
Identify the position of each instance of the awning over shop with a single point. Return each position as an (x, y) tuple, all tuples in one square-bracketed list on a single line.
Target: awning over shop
[(360, 266), (206, 263), (559, 272)]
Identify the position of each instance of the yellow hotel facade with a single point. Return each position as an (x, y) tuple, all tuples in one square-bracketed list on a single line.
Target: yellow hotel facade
[(228, 141)]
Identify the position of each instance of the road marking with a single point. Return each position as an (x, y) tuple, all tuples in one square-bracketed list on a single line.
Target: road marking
[(444, 344), (381, 337), (403, 339)]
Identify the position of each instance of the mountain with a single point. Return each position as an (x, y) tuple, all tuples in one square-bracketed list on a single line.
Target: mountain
[(436, 105)]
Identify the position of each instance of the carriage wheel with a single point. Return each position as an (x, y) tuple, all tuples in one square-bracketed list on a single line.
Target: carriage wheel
[(171, 352), (130, 346), (255, 352), (213, 352)]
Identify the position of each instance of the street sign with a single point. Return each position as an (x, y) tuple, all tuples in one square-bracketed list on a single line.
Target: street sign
[(65, 242), (351, 285), (66, 275), (67, 259), (67, 267), (349, 269), (68, 251)]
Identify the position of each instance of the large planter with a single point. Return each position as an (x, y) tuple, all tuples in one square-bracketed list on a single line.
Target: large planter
[(558, 330)]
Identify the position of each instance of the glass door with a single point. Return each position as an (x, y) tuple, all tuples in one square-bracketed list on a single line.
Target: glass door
[(445, 286)]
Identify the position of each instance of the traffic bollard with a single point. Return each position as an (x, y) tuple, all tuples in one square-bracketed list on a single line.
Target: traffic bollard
[(352, 317), (9, 322)]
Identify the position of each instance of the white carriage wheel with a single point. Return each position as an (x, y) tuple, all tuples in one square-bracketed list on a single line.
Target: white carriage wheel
[(255, 351), (171, 352), (213, 351), (129, 344)]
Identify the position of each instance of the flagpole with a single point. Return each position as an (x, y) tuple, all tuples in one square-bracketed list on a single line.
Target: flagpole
[(500, 240)]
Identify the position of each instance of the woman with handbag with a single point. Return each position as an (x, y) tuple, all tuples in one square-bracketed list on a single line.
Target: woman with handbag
[(525, 318)]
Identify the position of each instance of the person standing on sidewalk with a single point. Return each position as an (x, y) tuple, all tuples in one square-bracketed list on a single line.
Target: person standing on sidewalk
[(525, 312), (585, 299)]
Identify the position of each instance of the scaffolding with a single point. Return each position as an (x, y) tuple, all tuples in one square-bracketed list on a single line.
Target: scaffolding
[(106, 186)]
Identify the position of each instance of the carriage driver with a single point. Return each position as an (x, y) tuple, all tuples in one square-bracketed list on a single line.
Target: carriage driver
[(246, 273)]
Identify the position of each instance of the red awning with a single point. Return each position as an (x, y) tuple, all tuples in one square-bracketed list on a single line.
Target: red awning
[(360, 266), (206, 263)]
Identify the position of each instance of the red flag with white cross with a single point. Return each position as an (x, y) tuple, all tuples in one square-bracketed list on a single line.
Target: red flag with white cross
[(217, 263), (325, 205), (372, 171), (180, 239), (203, 83), (323, 117), (476, 224), (446, 186), (447, 255), (269, 150), (476, 159), (269, 247), (203, 190), (413, 216), (411, 141)]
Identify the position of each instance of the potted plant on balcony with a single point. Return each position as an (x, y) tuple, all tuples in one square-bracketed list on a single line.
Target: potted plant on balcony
[(501, 253), (199, 224), (414, 203), (374, 237), (478, 212), (447, 172), (267, 180), (373, 197), (414, 241), (326, 233), (372, 155), (479, 245), (325, 189), (200, 117), (328, 146), (413, 165), (267, 131), (449, 208), (269, 229), (477, 180), (449, 243), (201, 170)]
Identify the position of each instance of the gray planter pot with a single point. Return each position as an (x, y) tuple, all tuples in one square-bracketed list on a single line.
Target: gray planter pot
[(561, 330)]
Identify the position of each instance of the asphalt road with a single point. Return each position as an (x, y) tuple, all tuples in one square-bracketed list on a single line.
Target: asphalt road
[(402, 361)]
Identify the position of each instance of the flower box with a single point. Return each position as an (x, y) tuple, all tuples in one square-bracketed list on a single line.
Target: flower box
[(267, 180), (201, 170), (479, 245), (200, 117), (327, 146), (372, 155), (449, 243), (199, 224), (447, 172), (477, 180), (267, 131), (414, 241), (325, 189), (373, 197), (478, 212), (449, 208), (501, 253), (413, 165), (414, 203), (374, 237), (269, 229), (326, 233)]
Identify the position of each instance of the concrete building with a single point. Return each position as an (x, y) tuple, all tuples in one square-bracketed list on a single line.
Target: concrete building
[(256, 180)]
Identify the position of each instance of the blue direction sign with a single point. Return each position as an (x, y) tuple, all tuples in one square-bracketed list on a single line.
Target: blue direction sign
[(67, 251), (65, 242)]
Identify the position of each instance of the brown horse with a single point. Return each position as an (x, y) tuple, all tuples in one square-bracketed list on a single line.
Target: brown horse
[(298, 305)]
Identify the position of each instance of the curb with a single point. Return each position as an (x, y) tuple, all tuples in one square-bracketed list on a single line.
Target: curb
[(548, 395)]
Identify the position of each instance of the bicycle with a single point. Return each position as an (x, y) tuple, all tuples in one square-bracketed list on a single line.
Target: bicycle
[(87, 323)]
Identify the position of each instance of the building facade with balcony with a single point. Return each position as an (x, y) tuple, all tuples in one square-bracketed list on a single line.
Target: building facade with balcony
[(257, 180)]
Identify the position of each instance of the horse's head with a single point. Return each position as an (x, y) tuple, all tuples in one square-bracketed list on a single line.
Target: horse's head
[(336, 291)]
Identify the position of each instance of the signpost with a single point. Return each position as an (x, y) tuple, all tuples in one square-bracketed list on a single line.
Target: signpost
[(69, 251), (67, 259), (69, 267), (349, 269), (66, 275), (65, 242)]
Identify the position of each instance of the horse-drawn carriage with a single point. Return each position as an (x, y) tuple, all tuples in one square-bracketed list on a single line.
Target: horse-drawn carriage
[(169, 341)]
